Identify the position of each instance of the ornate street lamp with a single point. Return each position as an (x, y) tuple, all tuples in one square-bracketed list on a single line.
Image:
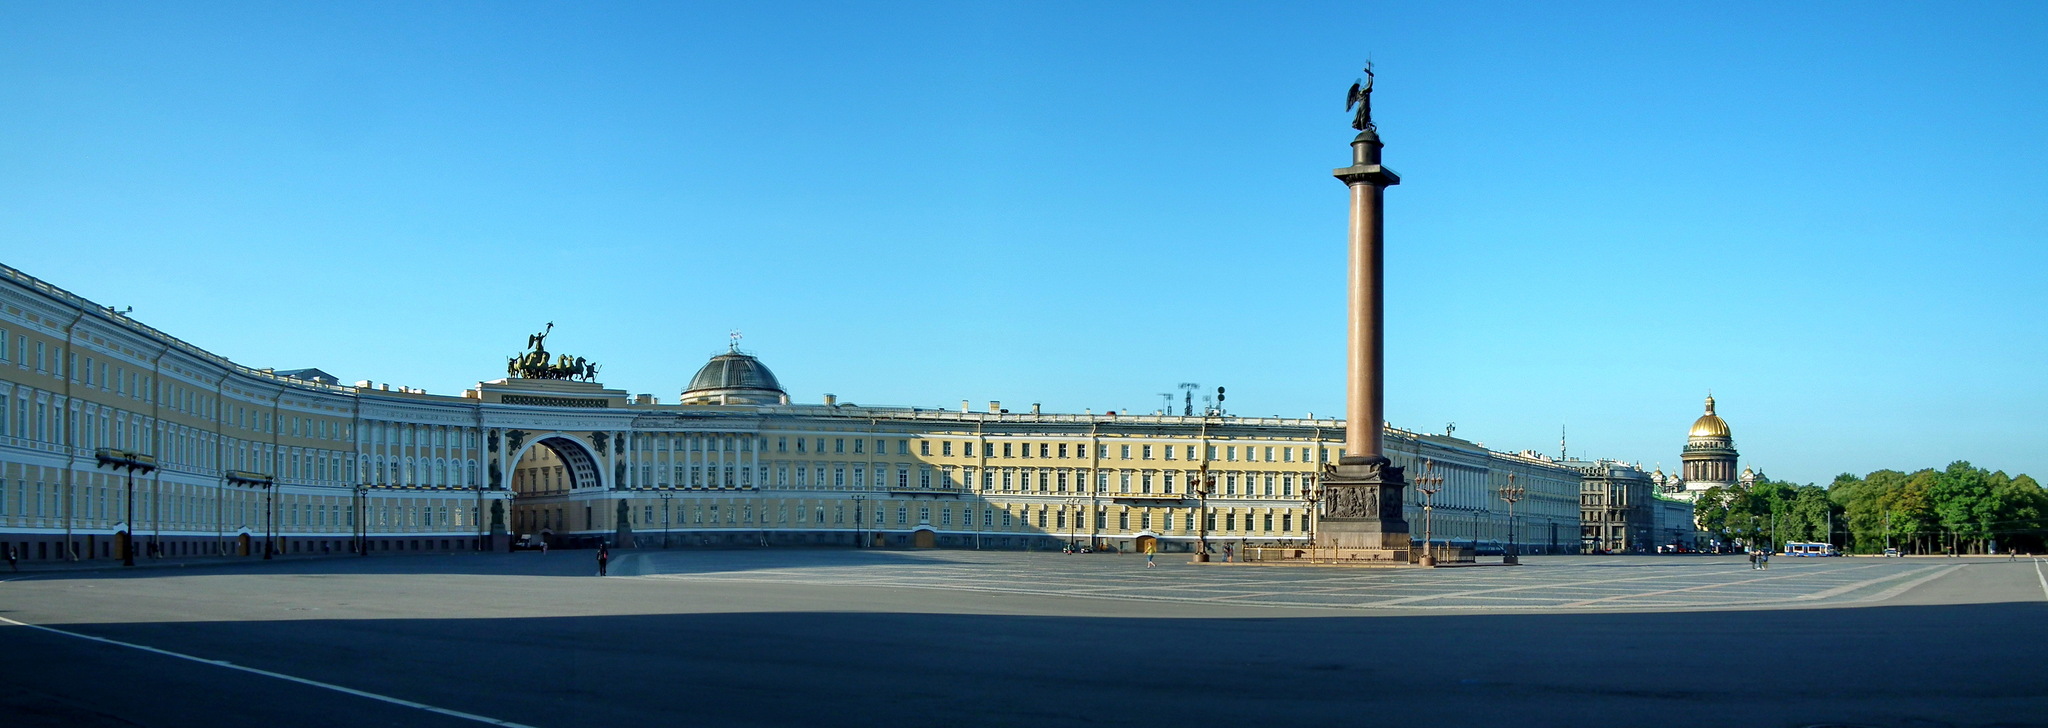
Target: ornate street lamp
[(1511, 493), (859, 525), (666, 496), (130, 463), (1204, 485), (1428, 483), (269, 486), (1311, 495), (362, 519)]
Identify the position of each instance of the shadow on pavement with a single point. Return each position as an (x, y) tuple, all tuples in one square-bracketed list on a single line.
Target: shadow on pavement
[(1879, 666)]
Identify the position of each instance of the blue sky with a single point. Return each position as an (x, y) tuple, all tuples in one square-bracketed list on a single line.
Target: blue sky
[(1830, 214)]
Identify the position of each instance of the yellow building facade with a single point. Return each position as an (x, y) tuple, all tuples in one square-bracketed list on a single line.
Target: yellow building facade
[(571, 462)]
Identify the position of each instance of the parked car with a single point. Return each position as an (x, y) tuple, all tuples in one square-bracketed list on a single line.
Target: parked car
[(1889, 553)]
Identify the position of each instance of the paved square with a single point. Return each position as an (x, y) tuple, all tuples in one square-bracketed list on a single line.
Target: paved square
[(903, 638)]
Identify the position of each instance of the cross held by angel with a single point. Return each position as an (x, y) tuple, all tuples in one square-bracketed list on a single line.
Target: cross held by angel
[(1361, 99)]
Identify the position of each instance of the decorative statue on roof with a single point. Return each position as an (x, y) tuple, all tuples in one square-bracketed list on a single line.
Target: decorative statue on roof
[(534, 362), (1361, 97)]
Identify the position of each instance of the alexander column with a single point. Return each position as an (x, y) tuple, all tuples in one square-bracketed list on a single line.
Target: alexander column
[(1363, 492)]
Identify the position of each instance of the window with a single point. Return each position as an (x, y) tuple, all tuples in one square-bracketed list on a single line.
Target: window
[(1286, 454), (1268, 521), (902, 447), (1169, 452), (1191, 452), (1146, 451), (1126, 451), (1027, 449), (924, 447), (1286, 522), (1123, 520), (967, 449), (988, 518), (1044, 450), (859, 444), (946, 448), (1006, 449), (838, 445), (1063, 449), (1006, 519), (782, 444), (924, 514)]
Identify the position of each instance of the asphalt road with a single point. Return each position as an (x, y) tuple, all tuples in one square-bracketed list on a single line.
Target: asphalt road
[(963, 638)]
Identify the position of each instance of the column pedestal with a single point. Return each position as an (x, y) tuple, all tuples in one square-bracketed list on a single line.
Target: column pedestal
[(1362, 518)]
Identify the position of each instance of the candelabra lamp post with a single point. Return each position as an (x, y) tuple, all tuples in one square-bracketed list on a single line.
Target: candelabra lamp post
[(269, 486), (1204, 485), (666, 497), (1428, 484), (1512, 493), (362, 519), (1074, 505), (859, 524), (1311, 496), (129, 463)]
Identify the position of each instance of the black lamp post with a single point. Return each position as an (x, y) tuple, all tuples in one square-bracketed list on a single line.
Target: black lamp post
[(130, 463), (362, 519), (666, 496), (1204, 485), (1511, 493), (1428, 484), (269, 486), (1311, 496), (859, 525)]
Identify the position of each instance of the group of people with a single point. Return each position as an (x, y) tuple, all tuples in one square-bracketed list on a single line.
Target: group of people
[(1760, 559)]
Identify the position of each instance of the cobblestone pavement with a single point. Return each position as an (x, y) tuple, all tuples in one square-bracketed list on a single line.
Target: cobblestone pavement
[(1552, 582)]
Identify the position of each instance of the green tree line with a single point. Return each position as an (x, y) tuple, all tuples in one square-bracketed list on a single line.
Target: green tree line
[(1961, 508)]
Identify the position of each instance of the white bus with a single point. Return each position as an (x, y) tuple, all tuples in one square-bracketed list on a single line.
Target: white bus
[(1799, 548)]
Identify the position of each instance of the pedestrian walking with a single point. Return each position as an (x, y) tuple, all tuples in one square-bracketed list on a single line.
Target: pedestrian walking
[(1752, 560), (1763, 560), (1226, 553), (1151, 548), (604, 556), (10, 559)]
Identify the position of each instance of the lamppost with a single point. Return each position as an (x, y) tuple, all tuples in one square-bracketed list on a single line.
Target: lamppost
[(1204, 485), (269, 486), (1428, 484), (1073, 504), (1312, 496), (130, 463), (859, 525), (1511, 493), (666, 496), (362, 519)]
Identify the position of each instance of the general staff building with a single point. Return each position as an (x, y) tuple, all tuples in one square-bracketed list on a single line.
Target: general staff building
[(246, 459)]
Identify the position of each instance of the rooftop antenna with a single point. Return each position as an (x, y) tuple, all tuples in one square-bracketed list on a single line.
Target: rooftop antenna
[(1560, 443), (1188, 398), (1167, 408), (734, 347)]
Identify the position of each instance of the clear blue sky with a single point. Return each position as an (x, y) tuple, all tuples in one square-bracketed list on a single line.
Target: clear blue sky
[(1830, 214)]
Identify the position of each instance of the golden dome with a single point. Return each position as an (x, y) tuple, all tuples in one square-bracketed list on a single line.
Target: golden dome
[(1710, 424)]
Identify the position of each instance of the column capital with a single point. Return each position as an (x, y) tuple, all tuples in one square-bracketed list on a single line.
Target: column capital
[(1372, 174)]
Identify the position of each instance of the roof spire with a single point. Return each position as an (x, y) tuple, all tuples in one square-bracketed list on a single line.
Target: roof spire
[(734, 347)]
